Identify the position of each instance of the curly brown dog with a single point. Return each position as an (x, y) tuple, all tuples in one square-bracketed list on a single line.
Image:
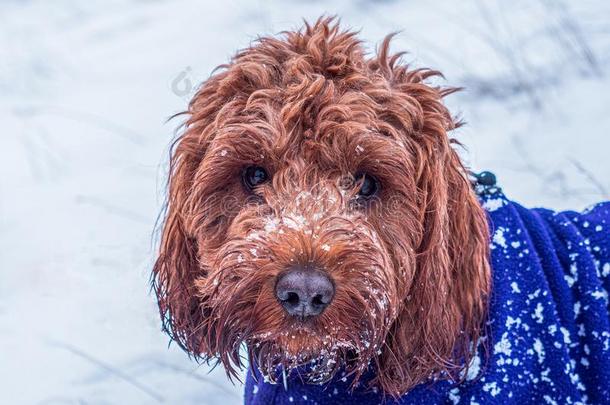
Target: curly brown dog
[(317, 212)]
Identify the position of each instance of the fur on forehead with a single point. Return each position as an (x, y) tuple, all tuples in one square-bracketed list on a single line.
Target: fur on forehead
[(316, 89)]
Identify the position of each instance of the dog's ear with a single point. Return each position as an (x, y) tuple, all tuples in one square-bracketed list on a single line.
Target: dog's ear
[(178, 266), (174, 274), (438, 328)]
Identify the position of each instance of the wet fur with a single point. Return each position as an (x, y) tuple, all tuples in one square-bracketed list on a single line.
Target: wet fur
[(410, 268)]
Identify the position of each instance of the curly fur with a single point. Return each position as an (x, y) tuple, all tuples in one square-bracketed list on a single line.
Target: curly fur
[(410, 267)]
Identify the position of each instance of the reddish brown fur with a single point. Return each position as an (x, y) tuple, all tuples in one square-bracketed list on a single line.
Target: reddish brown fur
[(410, 268)]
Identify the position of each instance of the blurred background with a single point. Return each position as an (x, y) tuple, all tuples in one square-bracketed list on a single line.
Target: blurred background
[(85, 91)]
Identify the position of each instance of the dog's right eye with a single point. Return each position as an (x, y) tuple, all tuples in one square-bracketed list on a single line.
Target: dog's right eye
[(254, 176), (369, 186)]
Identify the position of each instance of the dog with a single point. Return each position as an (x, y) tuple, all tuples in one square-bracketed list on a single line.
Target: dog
[(320, 219)]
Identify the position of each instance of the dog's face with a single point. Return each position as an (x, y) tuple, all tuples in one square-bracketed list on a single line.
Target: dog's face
[(318, 214)]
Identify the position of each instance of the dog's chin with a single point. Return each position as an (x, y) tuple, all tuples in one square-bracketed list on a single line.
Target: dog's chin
[(317, 357)]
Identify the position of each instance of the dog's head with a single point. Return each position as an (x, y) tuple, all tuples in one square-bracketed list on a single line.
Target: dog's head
[(318, 213)]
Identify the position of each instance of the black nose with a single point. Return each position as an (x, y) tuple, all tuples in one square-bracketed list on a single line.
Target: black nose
[(304, 292)]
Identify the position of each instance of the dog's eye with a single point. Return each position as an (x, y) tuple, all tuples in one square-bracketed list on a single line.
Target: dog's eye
[(369, 185), (254, 176)]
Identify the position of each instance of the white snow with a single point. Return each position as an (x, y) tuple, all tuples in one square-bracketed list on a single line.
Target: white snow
[(566, 335), (539, 349), (538, 315), (600, 294), (498, 237), (503, 346), (549, 400), (85, 91), (492, 388), (493, 204), (454, 396), (606, 270), (474, 368)]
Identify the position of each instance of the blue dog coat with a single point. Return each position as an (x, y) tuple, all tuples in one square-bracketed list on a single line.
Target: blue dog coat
[(549, 320)]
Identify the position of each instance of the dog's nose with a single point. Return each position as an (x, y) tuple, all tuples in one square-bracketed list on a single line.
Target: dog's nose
[(304, 292)]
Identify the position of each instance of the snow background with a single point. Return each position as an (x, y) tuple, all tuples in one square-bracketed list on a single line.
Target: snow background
[(85, 91)]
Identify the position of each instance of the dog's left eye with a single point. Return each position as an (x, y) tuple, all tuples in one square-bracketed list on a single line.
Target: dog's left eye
[(254, 176), (369, 185)]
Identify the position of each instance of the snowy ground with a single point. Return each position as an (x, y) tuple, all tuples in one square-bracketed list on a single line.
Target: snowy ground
[(85, 89)]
